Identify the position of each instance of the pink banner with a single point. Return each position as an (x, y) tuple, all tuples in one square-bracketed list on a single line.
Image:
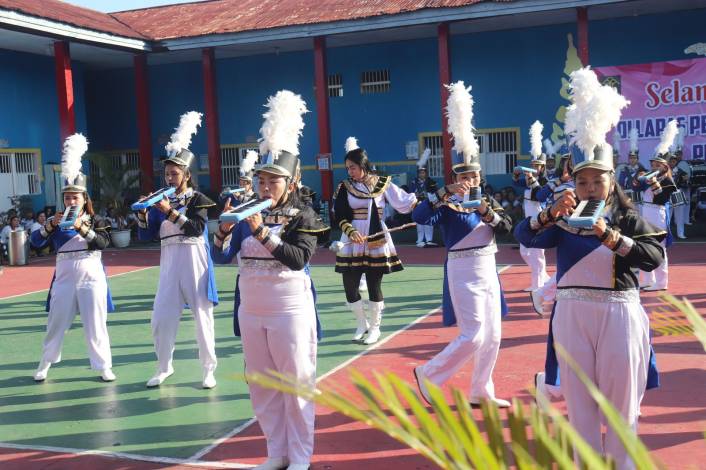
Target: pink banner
[(658, 92)]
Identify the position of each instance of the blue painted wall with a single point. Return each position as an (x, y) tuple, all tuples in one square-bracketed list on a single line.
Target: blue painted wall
[(30, 117), (516, 78)]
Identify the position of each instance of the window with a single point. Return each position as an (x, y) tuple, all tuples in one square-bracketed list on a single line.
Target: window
[(127, 161), (434, 142), (19, 173), (231, 156), (375, 81), (498, 150), (335, 85)]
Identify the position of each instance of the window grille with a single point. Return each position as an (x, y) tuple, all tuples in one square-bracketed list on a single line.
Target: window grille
[(335, 85), (231, 156), (498, 151), (375, 81), (19, 175)]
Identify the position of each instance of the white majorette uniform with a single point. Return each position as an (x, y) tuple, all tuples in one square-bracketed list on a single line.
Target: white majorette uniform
[(79, 284), (359, 208), (534, 257), (655, 210), (598, 317), (275, 297), (186, 276), (529, 184), (275, 315), (474, 288)]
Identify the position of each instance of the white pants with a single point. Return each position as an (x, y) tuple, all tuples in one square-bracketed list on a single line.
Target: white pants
[(80, 286), (183, 279), (286, 344), (425, 233), (475, 293), (610, 342), (548, 290), (681, 213), (659, 278), (534, 257)]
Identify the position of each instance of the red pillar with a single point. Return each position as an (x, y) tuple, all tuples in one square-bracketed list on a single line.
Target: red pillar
[(64, 89), (211, 98), (143, 123), (582, 26), (445, 79), (322, 117)]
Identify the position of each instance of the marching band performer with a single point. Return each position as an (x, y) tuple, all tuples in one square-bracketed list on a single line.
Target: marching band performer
[(360, 204), (597, 316), (627, 178), (421, 186), (655, 206), (186, 272), (550, 152), (79, 283), (682, 173), (473, 283), (534, 257), (550, 193), (275, 297), (244, 182)]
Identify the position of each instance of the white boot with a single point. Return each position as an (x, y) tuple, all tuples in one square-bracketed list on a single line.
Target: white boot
[(42, 371), (359, 311), (375, 319)]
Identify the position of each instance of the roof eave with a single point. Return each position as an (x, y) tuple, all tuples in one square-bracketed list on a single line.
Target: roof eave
[(421, 17), (45, 27)]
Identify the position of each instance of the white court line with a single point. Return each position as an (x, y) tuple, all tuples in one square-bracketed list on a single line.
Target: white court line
[(124, 455), (372, 347), (46, 290), (194, 461)]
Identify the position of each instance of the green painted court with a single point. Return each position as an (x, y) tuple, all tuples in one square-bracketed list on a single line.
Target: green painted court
[(74, 409)]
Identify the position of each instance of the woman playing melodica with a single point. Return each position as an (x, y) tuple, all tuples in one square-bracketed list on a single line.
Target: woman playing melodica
[(597, 318), (186, 274), (275, 312), (79, 284), (473, 284)]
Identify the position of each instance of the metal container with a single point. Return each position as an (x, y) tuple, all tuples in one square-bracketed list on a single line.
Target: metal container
[(17, 248)]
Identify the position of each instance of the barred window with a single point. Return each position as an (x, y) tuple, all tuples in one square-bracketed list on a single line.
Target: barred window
[(231, 156), (375, 81), (335, 85)]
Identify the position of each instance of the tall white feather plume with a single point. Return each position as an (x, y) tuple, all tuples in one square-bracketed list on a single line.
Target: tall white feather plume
[(459, 112), (595, 109), (633, 139), (549, 147), (616, 140), (668, 135), (536, 139), (424, 158), (248, 162), (74, 147), (351, 144), (283, 123), (679, 140), (181, 138)]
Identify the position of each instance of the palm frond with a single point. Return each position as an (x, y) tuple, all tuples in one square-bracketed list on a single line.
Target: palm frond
[(682, 319)]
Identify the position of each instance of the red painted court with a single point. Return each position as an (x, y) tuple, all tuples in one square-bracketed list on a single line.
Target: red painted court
[(673, 416)]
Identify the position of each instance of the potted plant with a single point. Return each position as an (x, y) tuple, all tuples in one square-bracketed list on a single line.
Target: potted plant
[(114, 186)]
